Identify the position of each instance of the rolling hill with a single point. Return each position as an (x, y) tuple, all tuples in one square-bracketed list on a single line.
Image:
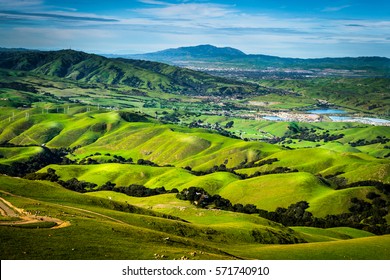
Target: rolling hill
[(68, 116), (114, 226), (99, 138), (141, 75)]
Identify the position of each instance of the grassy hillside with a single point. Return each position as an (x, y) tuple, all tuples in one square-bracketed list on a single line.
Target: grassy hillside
[(102, 132), (266, 192), (353, 166), (140, 75), (101, 217), (17, 154), (101, 136), (368, 248), (136, 233)]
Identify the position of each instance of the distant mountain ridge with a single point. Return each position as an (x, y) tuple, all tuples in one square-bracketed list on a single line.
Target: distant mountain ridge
[(199, 51), (211, 56), (137, 74)]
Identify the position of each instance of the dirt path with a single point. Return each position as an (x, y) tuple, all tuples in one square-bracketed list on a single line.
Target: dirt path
[(28, 218), (10, 210), (6, 210)]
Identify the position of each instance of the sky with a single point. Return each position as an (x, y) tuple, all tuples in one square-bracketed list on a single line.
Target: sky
[(305, 29)]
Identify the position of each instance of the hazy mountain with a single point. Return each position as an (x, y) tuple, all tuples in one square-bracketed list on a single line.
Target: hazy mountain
[(201, 51), (211, 56)]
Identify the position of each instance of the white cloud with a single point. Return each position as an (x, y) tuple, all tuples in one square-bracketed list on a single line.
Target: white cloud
[(335, 9), (153, 2), (15, 4), (187, 11)]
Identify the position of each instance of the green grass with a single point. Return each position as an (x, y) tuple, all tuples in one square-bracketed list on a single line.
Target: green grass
[(17, 154), (233, 226), (337, 202), (37, 225), (139, 230), (331, 234), (266, 192), (272, 191), (120, 174), (357, 166), (368, 248)]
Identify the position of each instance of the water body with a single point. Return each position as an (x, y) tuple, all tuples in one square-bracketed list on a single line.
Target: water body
[(273, 118), (363, 120), (327, 111)]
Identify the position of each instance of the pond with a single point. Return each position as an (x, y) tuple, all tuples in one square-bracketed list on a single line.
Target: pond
[(273, 118), (363, 120), (327, 111)]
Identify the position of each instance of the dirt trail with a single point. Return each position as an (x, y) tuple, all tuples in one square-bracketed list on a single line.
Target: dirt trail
[(9, 210), (28, 218), (6, 210)]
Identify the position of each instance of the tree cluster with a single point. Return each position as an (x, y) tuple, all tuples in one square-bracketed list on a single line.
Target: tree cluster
[(368, 216), (37, 162), (364, 142), (116, 159), (242, 176), (141, 191), (78, 186), (304, 133), (50, 175), (200, 198), (147, 162)]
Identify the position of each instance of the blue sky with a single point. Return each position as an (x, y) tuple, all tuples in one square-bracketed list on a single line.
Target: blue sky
[(284, 28)]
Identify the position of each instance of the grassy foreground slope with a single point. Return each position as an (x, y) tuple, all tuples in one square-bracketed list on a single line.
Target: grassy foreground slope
[(129, 232), (368, 248), (136, 233), (333, 243)]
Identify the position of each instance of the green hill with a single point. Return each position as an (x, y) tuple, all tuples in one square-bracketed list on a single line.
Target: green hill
[(125, 228), (136, 74)]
